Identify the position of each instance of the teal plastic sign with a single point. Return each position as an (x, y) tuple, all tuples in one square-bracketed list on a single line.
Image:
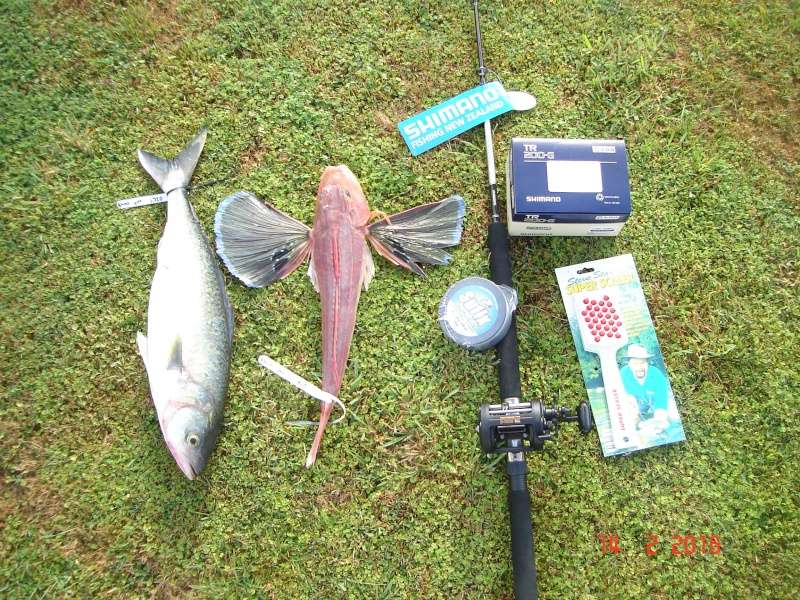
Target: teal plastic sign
[(453, 117)]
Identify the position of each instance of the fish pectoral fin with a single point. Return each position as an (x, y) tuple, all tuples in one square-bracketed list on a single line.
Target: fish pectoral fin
[(417, 235), (258, 243), (230, 319), (141, 343), (393, 258), (367, 269), (175, 360), (312, 275)]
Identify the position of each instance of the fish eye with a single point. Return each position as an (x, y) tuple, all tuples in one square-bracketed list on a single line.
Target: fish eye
[(193, 439)]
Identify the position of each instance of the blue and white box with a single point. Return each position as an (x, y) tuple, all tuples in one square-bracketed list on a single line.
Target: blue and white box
[(567, 187)]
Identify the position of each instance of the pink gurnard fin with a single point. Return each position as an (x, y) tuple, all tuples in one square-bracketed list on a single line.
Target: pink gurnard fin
[(258, 243), (417, 235)]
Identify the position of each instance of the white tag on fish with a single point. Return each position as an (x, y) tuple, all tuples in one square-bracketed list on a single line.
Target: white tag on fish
[(141, 201), (303, 385)]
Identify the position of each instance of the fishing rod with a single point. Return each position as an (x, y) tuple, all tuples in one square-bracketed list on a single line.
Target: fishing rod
[(514, 427)]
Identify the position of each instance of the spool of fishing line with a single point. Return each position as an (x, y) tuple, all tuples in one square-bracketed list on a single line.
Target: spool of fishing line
[(475, 313)]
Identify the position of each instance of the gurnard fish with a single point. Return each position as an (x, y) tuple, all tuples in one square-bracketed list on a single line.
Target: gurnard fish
[(189, 321), (260, 245)]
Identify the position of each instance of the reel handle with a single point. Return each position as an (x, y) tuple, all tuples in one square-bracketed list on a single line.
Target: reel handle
[(522, 555)]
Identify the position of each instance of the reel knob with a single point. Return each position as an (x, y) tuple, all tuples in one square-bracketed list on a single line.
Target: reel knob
[(582, 415), (585, 420)]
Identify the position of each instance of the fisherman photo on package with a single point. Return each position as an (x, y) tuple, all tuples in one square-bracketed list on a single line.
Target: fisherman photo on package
[(648, 385)]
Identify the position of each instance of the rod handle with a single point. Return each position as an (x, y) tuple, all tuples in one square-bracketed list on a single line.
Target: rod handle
[(519, 509)]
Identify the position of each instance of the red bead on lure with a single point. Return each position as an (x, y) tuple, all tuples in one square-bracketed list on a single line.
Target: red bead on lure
[(260, 245)]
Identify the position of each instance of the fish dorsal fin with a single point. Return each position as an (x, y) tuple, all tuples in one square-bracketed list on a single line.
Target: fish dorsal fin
[(175, 360), (367, 268), (258, 243), (417, 235)]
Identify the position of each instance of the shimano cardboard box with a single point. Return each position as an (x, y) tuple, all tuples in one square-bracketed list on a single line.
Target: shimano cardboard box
[(567, 187)]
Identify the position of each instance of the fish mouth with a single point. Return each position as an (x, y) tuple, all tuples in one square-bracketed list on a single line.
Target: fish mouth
[(188, 470), (340, 170), (340, 175), (184, 464)]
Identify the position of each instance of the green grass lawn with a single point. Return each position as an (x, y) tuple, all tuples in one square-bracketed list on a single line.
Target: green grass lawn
[(401, 503)]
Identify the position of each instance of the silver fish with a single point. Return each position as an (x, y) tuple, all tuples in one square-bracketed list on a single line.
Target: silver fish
[(189, 321)]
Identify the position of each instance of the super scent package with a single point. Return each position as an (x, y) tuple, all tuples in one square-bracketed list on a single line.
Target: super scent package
[(623, 368)]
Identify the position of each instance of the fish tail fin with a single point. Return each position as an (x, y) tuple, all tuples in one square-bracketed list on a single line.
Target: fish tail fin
[(325, 414), (174, 173)]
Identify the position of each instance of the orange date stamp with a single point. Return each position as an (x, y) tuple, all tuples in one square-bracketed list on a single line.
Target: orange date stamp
[(680, 544)]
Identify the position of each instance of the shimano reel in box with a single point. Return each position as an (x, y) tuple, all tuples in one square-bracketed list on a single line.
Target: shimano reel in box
[(567, 187)]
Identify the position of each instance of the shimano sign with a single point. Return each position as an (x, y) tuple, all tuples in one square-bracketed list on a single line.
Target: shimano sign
[(453, 117)]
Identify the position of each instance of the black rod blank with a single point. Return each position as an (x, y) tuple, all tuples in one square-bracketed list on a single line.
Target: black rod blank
[(519, 502)]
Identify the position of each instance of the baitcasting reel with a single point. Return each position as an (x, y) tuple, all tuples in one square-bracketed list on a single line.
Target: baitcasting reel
[(525, 426), (515, 428)]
